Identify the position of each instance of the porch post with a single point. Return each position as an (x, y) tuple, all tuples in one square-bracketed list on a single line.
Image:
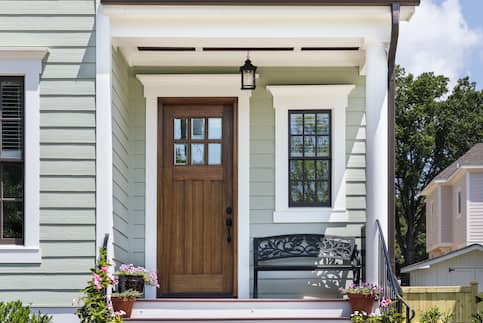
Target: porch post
[(104, 206), (376, 153)]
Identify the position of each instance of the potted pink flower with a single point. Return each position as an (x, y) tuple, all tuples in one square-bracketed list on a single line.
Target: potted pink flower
[(133, 277), (362, 296)]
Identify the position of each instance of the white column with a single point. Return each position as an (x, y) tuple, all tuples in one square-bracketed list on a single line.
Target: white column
[(376, 150), (104, 206)]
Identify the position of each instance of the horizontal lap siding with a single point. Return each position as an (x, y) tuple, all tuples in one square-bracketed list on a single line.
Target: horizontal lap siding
[(120, 156), (67, 151)]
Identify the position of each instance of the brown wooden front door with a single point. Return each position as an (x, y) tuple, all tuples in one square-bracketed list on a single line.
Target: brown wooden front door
[(196, 227)]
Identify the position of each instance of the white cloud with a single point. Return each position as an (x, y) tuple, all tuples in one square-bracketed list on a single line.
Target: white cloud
[(437, 39)]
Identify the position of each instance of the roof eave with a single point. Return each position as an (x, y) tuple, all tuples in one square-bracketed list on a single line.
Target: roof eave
[(264, 2)]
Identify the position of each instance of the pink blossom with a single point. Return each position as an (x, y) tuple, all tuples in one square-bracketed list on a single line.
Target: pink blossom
[(113, 280), (104, 269), (386, 302), (97, 281)]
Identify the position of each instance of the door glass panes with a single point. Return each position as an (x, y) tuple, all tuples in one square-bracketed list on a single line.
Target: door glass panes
[(180, 129), (214, 154), (309, 158), (197, 154), (198, 141), (214, 128), (198, 128), (180, 154)]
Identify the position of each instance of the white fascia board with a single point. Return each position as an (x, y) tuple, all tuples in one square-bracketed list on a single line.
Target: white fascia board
[(453, 178)]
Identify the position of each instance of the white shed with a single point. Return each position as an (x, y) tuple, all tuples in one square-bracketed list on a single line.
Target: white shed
[(456, 268)]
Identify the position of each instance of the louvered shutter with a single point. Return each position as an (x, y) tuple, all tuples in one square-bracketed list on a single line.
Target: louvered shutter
[(12, 109)]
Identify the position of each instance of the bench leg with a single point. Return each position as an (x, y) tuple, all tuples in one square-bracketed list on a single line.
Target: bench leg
[(255, 284)]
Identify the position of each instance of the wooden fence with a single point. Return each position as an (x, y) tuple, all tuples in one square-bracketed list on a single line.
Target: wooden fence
[(461, 301)]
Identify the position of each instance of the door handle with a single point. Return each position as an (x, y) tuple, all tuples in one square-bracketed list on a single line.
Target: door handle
[(229, 224)]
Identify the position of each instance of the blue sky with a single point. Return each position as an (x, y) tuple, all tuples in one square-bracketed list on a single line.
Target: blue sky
[(444, 36)]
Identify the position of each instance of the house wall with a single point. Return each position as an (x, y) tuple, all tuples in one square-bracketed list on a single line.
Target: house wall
[(465, 269), (432, 220), (262, 171), (67, 138), (475, 208), (120, 156), (447, 215), (459, 221)]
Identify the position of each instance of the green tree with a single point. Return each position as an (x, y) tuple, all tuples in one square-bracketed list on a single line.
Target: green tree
[(433, 129)]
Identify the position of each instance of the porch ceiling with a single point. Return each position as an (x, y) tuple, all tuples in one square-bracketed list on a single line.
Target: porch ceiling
[(232, 52)]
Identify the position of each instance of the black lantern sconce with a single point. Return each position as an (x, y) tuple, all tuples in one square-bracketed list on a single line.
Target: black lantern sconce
[(248, 75)]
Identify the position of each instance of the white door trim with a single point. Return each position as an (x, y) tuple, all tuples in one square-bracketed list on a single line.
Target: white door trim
[(203, 85)]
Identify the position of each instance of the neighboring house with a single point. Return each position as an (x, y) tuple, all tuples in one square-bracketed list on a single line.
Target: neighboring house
[(454, 205), (454, 225), (127, 118)]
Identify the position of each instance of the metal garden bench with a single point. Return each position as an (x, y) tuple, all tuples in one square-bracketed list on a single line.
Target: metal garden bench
[(332, 253)]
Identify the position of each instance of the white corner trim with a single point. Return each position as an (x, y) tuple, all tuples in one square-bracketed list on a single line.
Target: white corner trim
[(27, 63), (324, 97), (203, 85), (104, 188)]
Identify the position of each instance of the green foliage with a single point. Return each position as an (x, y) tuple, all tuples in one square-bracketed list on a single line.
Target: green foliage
[(433, 129), (16, 312), (477, 317), (434, 315), (96, 308), (130, 293)]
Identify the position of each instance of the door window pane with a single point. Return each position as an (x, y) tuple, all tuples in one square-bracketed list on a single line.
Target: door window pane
[(197, 154), (197, 128), (214, 128), (180, 129), (180, 154), (214, 154)]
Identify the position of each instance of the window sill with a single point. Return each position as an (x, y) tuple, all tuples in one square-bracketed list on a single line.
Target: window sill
[(20, 255), (310, 215)]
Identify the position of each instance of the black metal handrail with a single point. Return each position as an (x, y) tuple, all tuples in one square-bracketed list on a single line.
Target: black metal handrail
[(387, 279)]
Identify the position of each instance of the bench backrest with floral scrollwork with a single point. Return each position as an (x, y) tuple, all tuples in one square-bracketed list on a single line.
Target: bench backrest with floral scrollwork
[(304, 245)]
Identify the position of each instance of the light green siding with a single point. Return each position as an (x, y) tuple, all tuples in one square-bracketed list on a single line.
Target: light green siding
[(262, 169), (67, 137), (120, 143)]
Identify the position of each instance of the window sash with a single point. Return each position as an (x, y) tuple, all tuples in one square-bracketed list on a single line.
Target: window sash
[(19, 118), (327, 158)]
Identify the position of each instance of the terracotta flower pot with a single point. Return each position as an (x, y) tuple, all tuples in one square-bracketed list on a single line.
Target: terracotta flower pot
[(361, 302), (134, 282), (123, 304)]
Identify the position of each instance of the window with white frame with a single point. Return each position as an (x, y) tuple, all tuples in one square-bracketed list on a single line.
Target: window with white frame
[(11, 159), (20, 70), (310, 152)]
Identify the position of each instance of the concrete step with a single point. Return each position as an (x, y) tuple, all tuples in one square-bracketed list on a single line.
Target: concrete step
[(238, 310)]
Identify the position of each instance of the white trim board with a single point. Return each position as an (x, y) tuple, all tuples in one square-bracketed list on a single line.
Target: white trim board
[(306, 97), (203, 85), (27, 62)]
